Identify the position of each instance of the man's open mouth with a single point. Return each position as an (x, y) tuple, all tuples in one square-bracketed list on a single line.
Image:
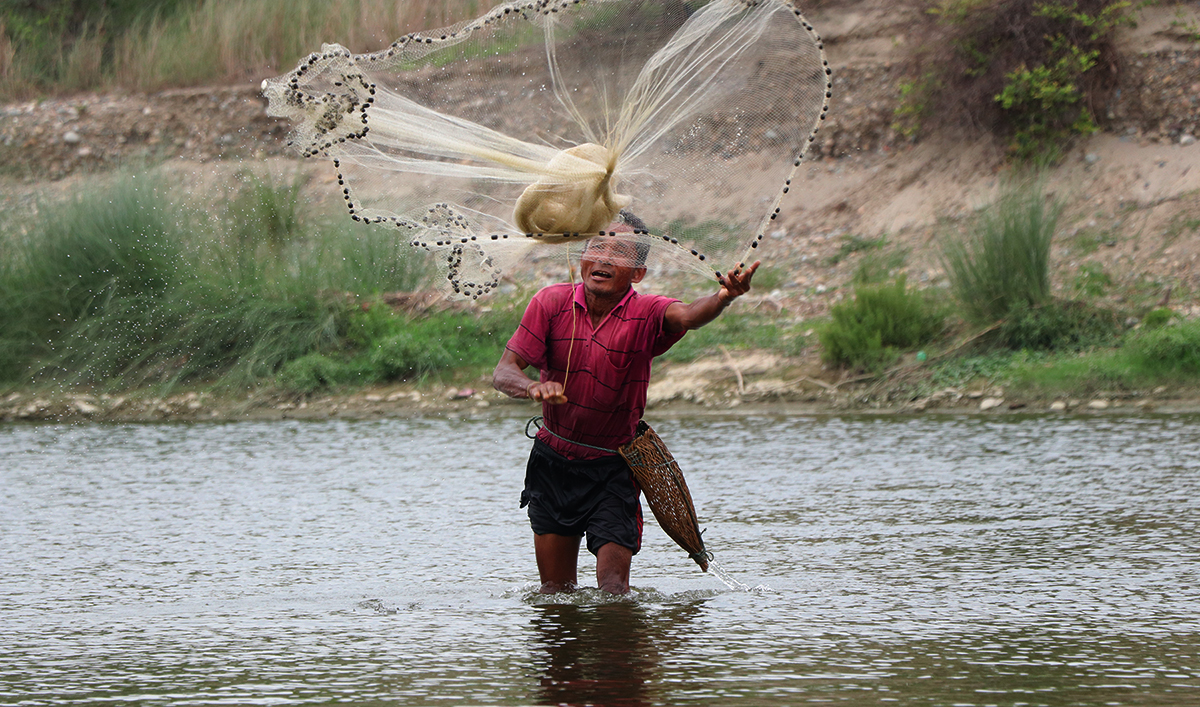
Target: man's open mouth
[(602, 274)]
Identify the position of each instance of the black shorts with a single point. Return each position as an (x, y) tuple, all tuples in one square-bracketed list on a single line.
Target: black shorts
[(594, 497)]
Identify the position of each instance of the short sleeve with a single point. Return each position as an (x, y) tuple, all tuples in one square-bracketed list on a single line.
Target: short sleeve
[(531, 337), (663, 340)]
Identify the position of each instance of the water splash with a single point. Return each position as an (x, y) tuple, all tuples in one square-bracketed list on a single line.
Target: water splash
[(728, 580), (590, 596)]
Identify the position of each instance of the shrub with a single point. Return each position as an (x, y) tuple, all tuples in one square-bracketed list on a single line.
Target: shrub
[(1058, 325), (408, 355), (1167, 349), (869, 331), (315, 371), (1156, 318), (1032, 71), (1005, 264)]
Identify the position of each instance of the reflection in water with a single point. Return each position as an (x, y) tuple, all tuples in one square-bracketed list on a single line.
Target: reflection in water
[(603, 654)]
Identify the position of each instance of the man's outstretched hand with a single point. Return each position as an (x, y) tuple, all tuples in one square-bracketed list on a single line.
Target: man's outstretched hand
[(736, 282)]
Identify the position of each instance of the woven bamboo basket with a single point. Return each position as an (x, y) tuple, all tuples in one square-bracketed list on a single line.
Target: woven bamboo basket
[(666, 491)]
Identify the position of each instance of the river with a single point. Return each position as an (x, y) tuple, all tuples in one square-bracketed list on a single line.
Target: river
[(939, 560)]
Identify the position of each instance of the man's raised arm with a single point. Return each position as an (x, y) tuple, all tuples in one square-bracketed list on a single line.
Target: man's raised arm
[(682, 317)]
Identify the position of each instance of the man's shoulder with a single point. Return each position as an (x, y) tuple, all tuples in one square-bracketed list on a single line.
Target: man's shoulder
[(557, 291), (639, 302)]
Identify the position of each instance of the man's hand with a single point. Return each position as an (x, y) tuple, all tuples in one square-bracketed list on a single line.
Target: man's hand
[(736, 282), (551, 392), (509, 378)]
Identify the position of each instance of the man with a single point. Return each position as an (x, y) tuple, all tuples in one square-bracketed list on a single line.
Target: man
[(593, 344)]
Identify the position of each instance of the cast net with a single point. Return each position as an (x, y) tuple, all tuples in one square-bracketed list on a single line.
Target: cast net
[(499, 141)]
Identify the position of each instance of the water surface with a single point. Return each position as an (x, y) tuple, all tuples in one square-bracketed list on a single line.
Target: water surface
[(924, 561)]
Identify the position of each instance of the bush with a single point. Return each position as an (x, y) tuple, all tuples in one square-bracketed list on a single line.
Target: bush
[(1058, 325), (869, 331), (1167, 349), (1156, 318), (315, 371), (1005, 264), (1032, 71)]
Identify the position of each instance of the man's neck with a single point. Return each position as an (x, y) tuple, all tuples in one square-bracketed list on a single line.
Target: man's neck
[(599, 307)]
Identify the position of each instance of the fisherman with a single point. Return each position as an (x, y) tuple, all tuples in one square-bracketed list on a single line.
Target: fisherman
[(592, 345)]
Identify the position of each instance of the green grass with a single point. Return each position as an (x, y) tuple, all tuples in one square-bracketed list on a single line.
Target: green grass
[(1166, 355), (852, 244), (77, 45), (123, 286), (387, 346), (738, 331)]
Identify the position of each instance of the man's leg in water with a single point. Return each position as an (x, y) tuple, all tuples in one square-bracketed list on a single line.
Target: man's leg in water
[(612, 568), (558, 562)]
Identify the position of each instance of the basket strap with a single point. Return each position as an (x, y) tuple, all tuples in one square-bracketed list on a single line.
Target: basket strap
[(536, 422)]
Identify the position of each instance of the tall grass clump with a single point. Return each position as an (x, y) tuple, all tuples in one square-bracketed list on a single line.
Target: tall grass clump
[(123, 287), (79, 257), (1000, 275), (870, 331), (1004, 263), (72, 45)]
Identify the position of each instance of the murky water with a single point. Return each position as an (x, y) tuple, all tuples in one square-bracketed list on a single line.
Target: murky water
[(928, 561)]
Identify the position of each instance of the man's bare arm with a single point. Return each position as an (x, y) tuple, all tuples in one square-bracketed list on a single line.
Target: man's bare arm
[(683, 317), (509, 378)]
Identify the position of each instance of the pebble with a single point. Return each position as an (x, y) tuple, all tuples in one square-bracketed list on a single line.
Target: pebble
[(1058, 406), (1098, 405), (1186, 139), (990, 403)]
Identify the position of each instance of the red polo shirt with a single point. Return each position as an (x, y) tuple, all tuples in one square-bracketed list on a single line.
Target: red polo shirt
[(609, 369)]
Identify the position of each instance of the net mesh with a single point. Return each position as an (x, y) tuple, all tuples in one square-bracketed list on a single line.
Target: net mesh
[(666, 491), (495, 142)]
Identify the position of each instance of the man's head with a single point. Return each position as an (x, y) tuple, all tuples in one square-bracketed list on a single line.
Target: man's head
[(610, 265)]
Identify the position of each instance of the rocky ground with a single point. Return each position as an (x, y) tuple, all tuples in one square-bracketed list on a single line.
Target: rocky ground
[(1133, 196)]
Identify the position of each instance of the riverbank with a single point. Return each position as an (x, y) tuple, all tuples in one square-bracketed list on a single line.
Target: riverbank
[(750, 383)]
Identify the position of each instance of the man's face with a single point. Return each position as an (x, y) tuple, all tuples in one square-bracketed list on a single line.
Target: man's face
[(609, 265)]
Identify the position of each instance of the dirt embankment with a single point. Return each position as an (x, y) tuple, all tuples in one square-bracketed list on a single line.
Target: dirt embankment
[(1133, 196)]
